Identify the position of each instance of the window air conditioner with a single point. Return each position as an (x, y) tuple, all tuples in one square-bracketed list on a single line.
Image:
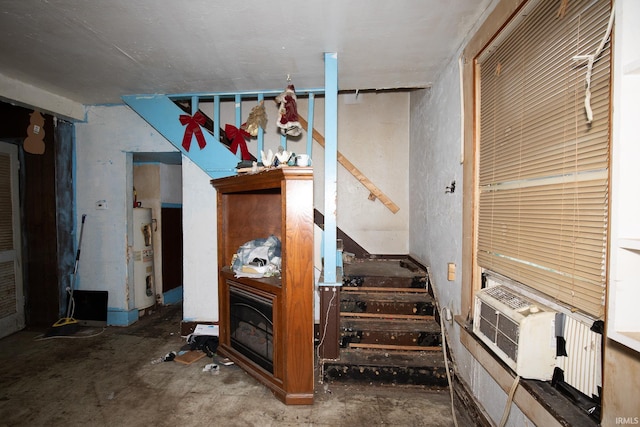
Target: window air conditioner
[(518, 330)]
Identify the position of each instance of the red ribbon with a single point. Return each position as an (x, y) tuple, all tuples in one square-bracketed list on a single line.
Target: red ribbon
[(237, 137), (193, 128)]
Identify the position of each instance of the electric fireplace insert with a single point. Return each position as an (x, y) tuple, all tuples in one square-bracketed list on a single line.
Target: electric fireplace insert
[(251, 326)]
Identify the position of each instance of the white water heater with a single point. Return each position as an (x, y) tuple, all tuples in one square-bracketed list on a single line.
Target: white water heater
[(143, 279)]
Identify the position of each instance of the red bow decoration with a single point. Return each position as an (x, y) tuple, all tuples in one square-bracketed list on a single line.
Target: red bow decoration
[(193, 128), (237, 137)]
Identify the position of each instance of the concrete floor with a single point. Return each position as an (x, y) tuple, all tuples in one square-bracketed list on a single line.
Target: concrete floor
[(109, 380)]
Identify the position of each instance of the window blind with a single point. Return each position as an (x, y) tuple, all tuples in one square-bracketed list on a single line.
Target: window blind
[(543, 166)]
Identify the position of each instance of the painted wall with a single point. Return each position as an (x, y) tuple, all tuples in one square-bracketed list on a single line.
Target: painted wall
[(373, 133), (199, 242), (170, 184), (436, 220), (105, 173)]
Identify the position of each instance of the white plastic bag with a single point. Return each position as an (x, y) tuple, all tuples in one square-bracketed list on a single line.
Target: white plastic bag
[(258, 258)]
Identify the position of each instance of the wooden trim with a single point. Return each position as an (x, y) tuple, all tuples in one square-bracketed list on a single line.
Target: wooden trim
[(374, 289), (375, 191), (395, 347), (329, 346), (496, 20), (387, 315)]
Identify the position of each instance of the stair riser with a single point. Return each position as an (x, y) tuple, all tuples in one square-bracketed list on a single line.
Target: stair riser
[(423, 339), (384, 282), (427, 376), (348, 305)]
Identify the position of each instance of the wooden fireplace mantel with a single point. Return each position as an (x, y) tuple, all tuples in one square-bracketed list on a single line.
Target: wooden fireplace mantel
[(275, 202)]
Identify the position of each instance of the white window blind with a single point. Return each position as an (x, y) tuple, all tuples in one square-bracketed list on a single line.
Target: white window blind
[(543, 166)]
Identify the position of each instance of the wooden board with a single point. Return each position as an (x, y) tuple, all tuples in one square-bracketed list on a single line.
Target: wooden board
[(386, 316), (189, 357), (395, 347)]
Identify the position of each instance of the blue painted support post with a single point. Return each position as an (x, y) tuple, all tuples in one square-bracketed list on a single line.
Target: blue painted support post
[(238, 105), (238, 108), (260, 130), (283, 141), (330, 168), (310, 124), (194, 105), (216, 118)]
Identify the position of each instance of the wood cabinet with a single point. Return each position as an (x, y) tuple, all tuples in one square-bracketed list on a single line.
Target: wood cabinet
[(275, 202)]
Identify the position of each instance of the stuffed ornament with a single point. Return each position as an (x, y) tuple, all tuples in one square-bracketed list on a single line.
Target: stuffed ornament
[(288, 112), (34, 142), (257, 119)]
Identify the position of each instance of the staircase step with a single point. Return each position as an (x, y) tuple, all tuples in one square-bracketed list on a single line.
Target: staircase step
[(387, 367), (387, 316), (390, 297), (384, 273), (351, 289), (387, 303), (390, 325), (356, 281), (401, 267), (363, 357), (394, 347), (414, 333)]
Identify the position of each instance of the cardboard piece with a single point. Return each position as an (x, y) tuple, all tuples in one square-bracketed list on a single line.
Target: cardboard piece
[(189, 357)]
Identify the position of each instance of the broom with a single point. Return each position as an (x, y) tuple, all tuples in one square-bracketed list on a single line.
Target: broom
[(68, 324)]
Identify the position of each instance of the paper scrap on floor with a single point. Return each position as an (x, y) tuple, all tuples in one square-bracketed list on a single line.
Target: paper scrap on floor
[(211, 330)]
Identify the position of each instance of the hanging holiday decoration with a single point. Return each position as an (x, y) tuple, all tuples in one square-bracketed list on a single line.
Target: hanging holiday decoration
[(288, 112), (34, 143), (237, 137), (193, 124), (257, 119)]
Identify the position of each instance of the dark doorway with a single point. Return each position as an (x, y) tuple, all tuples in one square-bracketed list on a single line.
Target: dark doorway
[(171, 248)]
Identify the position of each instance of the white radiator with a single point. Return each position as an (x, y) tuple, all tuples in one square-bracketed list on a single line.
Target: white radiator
[(583, 365)]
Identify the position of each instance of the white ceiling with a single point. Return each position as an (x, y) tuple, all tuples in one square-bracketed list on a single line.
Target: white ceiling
[(93, 52)]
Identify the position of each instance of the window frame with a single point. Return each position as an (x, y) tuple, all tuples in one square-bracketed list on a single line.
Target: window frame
[(504, 15)]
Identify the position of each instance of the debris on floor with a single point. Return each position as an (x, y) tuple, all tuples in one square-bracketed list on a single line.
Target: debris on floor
[(188, 357), (211, 367), (197, 346), (226, 362), (166, 358)]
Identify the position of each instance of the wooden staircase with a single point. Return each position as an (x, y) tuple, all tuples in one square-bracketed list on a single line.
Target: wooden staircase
[(389, 326)]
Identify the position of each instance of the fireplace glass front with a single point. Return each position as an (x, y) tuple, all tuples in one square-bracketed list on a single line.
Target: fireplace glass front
[(251, 326)]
